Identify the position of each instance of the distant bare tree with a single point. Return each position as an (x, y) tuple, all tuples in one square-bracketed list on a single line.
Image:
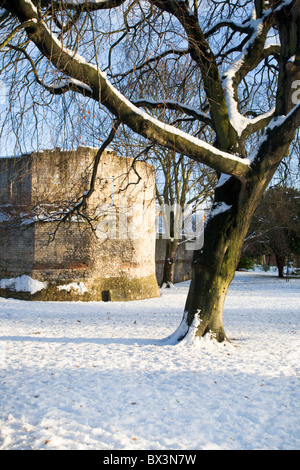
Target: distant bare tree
[(275, 228), (185, 186)]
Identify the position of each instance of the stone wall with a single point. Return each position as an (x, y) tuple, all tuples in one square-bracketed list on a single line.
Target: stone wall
[(108, 253)]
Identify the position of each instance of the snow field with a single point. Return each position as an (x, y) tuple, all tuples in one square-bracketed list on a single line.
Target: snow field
[(99, 375)]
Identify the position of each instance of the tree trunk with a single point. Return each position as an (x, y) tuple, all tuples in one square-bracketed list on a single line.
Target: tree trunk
[(214, 265), (169, 265), (280, 262)]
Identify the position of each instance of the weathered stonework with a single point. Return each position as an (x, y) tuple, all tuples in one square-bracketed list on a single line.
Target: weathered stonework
[(114, 261)]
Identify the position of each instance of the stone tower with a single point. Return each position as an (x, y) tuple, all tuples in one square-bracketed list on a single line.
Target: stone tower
[(107, 252)]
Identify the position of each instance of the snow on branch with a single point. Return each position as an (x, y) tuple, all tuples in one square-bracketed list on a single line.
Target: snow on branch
[(173, 138), (253, 52), (70, 84), (283, 126)]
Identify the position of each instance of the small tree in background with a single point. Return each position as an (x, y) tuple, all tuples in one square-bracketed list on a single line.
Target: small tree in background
[(275, 227)]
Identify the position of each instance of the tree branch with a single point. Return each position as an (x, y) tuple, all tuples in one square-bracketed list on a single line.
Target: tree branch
[(140, 122), (241, 28), (202, 54), (156, 58), (71, 84), (83, 5), (176, 106), (253, 53), (80, 206)]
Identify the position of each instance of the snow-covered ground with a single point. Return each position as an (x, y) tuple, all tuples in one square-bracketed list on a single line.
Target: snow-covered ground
[(97, 375)]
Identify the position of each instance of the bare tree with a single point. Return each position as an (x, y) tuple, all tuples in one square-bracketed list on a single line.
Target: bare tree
[(245, 57), (185, 187), (275, 229)]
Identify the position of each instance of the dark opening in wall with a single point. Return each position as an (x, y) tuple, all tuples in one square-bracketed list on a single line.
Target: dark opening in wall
[(106, 296)]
